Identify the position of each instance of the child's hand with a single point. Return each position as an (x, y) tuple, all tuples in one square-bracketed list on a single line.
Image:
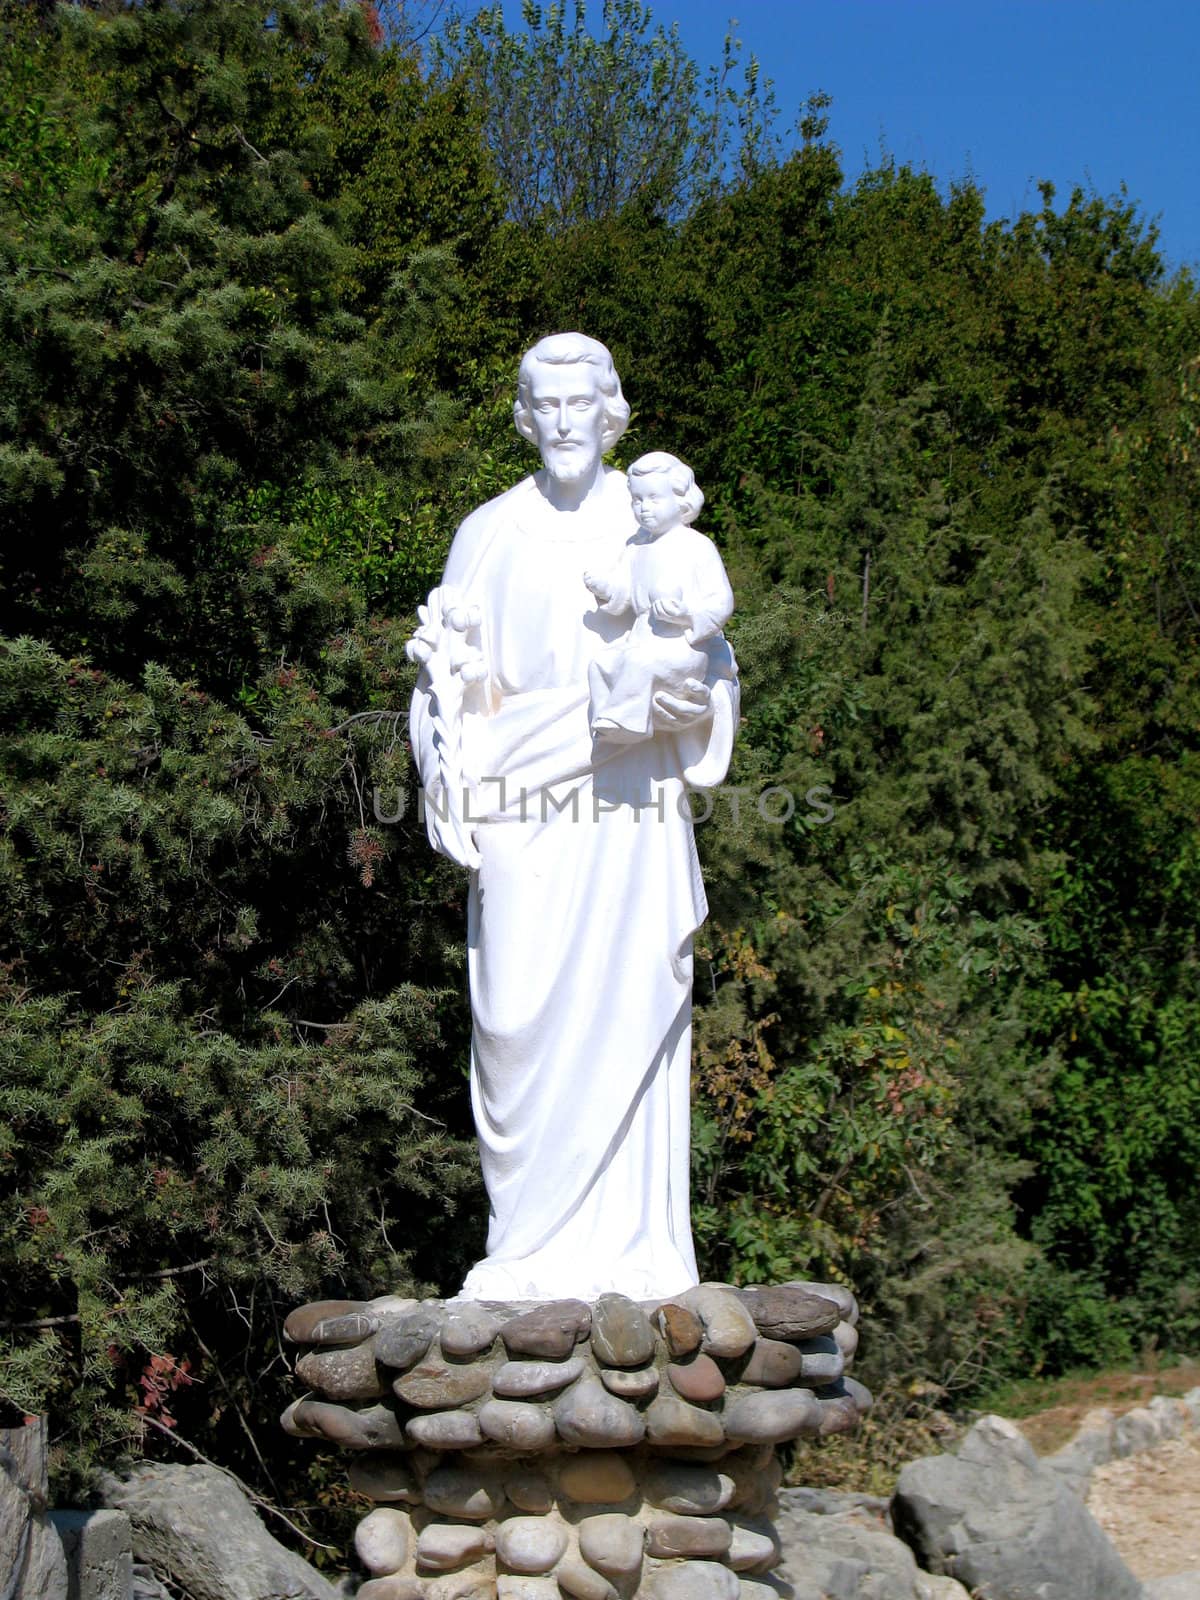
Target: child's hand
[(600, 587), (669, 608)]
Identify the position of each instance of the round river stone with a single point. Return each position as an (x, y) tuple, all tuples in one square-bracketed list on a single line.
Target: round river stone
[(638, 1384), (600, 1479), (681, 1329), (382, 1539), (621, 1332), (516, 1424), (675, 1423), (404, 1342), (520, 1379), (612, 1544), (551, 1331), (433, 1385), (530, 1544), (700, 1380), (772, 1416), (589, 1415)]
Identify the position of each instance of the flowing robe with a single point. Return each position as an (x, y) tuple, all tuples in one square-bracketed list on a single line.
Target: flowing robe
[(581, 916)]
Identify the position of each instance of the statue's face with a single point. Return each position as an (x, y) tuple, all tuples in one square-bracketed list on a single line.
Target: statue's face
[(655, 503), (568, 419)]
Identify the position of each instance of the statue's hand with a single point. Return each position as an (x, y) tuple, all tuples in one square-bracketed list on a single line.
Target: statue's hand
[(600, 587), (673, 711), (669, 608)]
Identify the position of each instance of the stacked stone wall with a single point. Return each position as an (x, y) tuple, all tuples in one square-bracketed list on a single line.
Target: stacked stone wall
[(601, 1452)]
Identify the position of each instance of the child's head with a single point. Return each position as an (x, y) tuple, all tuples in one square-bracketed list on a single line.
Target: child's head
[(654, 477)]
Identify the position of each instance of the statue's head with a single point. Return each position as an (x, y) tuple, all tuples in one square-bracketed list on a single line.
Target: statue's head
[(567, 350), (660, 468)]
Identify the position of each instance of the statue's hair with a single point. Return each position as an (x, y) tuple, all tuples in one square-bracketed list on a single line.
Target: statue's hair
[(681, 477), (566, 350)]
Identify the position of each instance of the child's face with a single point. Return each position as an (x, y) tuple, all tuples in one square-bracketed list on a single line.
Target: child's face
[(654, 502)]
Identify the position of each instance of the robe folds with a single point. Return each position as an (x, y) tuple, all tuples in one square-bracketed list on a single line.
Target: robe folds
[(581, 915)]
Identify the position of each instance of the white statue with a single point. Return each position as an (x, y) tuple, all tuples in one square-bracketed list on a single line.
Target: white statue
[(585, 887), (674, 581)]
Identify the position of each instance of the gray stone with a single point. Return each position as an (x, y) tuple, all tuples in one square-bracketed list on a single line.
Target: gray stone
[(845, 1336), (681, 1328), (640, 1383), (382, 1540), (729, 1329), (518, 1380), (934, 1586), (550, 1332), (673, 1423), (589, 1415), (444, 1545), (517, 1586), (772, 1416), (374, 1428), (146, 1586), (843, 1558), (1174, 1418), (612, 1544), (406, 1340), (793, 1313), (600, 1478), (468, 1330), (582, 1582), (348, 1373), (529, 1491), (859, 1393), (772, 1364), (820, 1360), (1179, 1586), (474, 1583), (754, 1546), (516, 1424), (842, 1297), (195, 1527), (385, 1477), (1137, 1430), (464, 1491), (668, 1536), (699, 1380), (304, 1324), (33, 1565), (446, 1430), (99, 1549), (691, 1490), (390, 1588), (695, 1580), (838, 1414), (433, 1385), (530, 1544), (996, 1518), (621, 1332), (870, 1508)]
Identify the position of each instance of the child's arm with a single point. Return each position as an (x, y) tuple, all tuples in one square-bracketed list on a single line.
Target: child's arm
[(709, 597)]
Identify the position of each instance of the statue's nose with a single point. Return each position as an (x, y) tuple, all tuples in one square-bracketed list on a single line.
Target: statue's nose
[(564, 419)]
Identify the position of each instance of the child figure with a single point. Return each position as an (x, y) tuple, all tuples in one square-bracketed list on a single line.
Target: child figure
[(673, 580)]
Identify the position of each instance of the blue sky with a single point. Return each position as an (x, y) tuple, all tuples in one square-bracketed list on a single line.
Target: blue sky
[(1090, 92)]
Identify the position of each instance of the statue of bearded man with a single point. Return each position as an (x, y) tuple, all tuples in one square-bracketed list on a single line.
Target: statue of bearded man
[(585, 889)]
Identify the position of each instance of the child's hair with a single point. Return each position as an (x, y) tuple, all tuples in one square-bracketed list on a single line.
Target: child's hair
[(682, 480)]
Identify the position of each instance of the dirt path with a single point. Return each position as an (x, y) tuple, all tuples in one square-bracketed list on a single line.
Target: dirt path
[(1149, 1505)]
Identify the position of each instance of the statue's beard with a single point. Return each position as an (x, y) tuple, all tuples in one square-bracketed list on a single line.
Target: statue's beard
[(571, 464)]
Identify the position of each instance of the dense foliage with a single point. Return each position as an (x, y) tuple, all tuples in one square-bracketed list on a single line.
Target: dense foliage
[(265, 279)]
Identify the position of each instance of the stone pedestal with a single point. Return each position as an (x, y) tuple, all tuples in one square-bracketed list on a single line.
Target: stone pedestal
[(601, 1452)]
